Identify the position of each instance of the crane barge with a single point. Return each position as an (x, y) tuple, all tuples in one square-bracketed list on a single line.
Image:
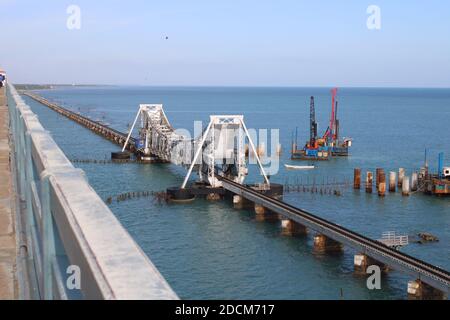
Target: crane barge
[(327, 146)]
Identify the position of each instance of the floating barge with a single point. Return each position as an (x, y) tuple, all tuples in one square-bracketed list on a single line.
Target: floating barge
[(436, 184)]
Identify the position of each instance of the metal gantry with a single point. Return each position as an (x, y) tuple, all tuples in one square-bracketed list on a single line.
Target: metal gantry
[(219, 149)]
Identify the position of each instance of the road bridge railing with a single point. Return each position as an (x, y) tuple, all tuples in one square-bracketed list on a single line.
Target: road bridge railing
[(75, 247)]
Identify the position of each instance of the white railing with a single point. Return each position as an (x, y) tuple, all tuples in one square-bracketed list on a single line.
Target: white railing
[(76, 247), (390, 239)]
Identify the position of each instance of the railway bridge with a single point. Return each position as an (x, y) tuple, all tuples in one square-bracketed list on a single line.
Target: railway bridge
[(218, 157)]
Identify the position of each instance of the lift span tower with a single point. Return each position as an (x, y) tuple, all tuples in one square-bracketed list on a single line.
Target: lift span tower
[(219, 151)]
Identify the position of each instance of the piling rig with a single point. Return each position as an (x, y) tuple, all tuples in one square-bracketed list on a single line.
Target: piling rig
[(329, 144)]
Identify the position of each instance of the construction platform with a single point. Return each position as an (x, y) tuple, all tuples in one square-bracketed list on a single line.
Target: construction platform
[(325, 147)]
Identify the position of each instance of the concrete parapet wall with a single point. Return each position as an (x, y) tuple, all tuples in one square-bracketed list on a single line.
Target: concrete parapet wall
[(112, 266)]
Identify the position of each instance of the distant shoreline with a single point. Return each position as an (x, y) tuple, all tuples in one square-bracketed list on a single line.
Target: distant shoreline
[(54, 86)]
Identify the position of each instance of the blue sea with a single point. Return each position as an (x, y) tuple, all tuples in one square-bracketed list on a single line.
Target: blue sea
[(209, 250)]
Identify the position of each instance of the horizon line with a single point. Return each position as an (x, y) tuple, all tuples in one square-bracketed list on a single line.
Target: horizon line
[(230, 86)]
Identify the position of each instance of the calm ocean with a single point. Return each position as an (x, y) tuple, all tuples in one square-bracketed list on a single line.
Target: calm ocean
[(208, 250)]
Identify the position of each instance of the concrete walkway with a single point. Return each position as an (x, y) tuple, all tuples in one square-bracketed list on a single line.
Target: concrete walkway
[(8, 284)]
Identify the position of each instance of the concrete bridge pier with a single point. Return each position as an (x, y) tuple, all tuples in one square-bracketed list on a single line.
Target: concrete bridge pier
[(323, 244), (213, 196), (419, 290), (292, 228), (362, 262), (239, 202), (264, 214)]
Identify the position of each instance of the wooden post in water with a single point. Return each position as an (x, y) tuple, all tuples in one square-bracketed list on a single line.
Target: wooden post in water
[(401, 174), (392, 175), (357, 178), (405, 186), (369, 181), (382, 184)]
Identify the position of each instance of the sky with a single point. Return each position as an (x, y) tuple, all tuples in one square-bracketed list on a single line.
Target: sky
[(227, 43)]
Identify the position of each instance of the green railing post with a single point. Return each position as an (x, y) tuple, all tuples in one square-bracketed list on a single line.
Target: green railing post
[(48, 240), (21, 155), (29, 174)]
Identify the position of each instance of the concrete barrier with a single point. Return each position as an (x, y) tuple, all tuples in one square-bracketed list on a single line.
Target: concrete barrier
[(76, 246)]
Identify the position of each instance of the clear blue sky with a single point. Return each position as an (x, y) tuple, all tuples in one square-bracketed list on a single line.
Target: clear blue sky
[(212, 42)]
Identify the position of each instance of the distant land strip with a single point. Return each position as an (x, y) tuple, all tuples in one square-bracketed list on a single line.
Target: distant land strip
[(22, 86)]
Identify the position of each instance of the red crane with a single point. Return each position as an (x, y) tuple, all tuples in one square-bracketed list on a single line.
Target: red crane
[(331, 131)]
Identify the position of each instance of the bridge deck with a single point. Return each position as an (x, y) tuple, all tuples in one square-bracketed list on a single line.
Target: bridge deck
[(103, 130)]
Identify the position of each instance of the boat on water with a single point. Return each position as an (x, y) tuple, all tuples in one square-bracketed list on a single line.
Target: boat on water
[(292, 167)]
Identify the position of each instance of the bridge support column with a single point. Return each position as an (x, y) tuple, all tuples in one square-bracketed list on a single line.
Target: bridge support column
[(362, 262), (292, 228), (239, 202), (213, 196), (264, 214), (324, 244), (419, 290)]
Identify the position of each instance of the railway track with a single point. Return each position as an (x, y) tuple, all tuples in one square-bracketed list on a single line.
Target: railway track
[(415, 265), (95, 126)]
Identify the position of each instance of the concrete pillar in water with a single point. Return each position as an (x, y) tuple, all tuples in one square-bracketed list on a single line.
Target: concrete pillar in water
[(292, 228), (279, 149), (260, 209), (378, 172), (419, 290), (392, 181), (405, 186), (401, 174), (239, 202), (362, 262), (382, 184), (264, 214), (357, 178), (414, 181), (213, 196), (261, 149), (369, 182), (324, 244)]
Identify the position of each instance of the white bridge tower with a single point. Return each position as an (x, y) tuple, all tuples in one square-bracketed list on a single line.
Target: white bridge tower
[(218, 151)]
